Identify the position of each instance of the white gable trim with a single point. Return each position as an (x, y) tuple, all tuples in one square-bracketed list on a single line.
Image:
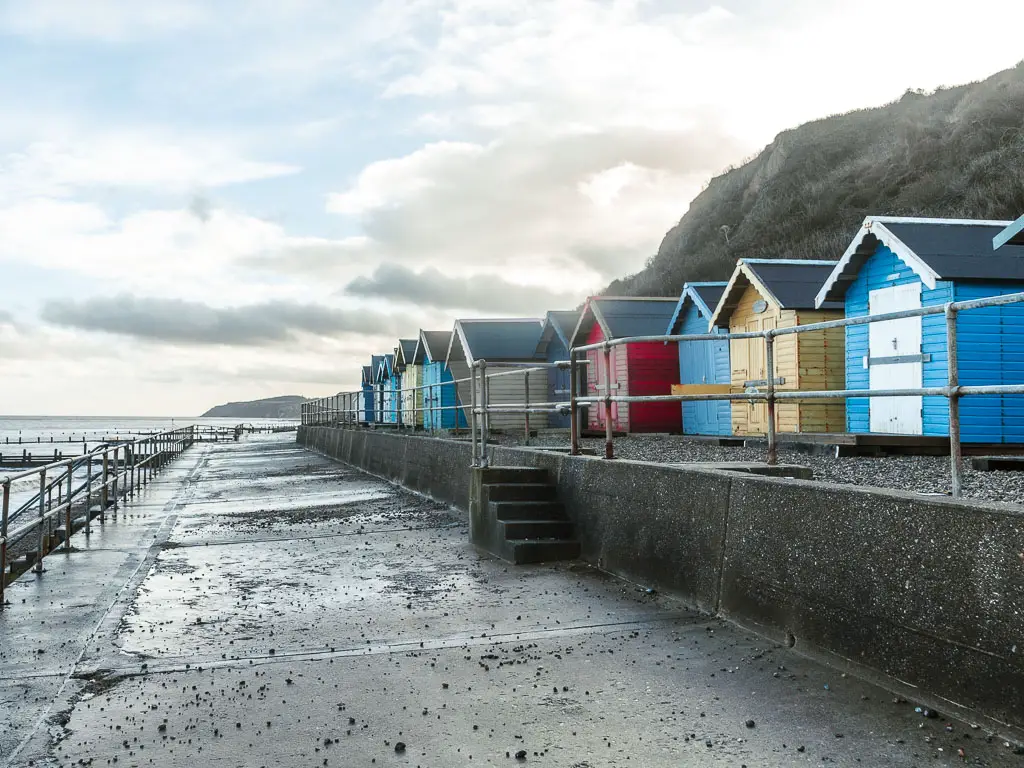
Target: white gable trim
[(875, 225), (458, 334), (755, 282)]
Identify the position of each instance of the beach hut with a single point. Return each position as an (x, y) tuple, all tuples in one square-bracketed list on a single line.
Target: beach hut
[(897, 263), (497, 342), (703, 365), (553, 347), (377, 362), (781, 293), (411, 413), (386, 380), (439, 397), (394, 389), (369, 392), (638, 368)]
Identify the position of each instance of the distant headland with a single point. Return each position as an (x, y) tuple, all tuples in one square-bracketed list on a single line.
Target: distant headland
[(283, 407)]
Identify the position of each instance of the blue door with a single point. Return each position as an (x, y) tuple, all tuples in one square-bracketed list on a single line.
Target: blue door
[(704, 362), (429, 379), (558, 388)]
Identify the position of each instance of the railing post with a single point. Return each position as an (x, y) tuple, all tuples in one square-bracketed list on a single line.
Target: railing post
[(609, 445), (953, 383), (68, 520), (5, 509), (485, 418), (526, 413), (104, 493), (42, 521), (574, 416), (88, 495), (117, 475), (473, 420), (130, 451), (769, 359)]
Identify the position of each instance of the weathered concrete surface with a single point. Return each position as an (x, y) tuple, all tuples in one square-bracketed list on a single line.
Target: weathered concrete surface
[(236, 627), (924, 590)]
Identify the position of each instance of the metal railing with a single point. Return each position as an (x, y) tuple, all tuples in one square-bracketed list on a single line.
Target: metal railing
[(103, 477), (327, 411)]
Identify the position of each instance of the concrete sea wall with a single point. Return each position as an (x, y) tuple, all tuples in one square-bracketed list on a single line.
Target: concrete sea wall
[(927, 591)]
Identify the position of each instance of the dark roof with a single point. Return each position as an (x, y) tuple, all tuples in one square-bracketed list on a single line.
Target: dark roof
[(707, 296), (564, 321), (407, 349), (709, 293), (961, 251), (623, 317), (935, 249), (495, 340), (560, 324), (385, 366), (790, 283), (793, 283), (436, 343), (367, 374)]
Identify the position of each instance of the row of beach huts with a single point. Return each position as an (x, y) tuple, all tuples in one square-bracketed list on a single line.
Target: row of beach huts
[(892, 264)]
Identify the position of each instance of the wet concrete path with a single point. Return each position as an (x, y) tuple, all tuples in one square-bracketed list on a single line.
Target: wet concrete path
[(262, 606)]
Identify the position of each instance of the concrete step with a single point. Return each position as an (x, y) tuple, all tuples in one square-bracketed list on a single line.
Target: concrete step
[(520, 491), (536, 529), (521, 552), (494, 475), (528, 510)]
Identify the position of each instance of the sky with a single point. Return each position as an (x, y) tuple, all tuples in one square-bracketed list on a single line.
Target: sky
[(205, 201)]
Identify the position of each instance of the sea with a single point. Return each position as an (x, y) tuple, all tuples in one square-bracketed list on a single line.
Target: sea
[(64, 429), (74, 435)]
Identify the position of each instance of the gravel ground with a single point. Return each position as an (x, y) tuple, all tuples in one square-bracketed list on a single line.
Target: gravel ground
[(921, 474)]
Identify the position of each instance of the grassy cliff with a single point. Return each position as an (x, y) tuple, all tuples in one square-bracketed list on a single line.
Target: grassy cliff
[(958, 152)]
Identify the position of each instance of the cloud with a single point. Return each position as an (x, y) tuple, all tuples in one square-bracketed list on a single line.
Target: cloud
[(101, 20), (128, 159), (6, 318), (486, 293), (539, 203), (199, 251), (192, 323)]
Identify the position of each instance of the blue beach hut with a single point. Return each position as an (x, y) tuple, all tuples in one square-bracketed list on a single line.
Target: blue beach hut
[(388, 379), (703, 365), (554, 347), (439, 397), (378, 389), (899, 263), (368, 411)]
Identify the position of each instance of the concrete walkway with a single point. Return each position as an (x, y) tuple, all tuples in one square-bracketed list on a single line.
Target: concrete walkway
[(262, 606)]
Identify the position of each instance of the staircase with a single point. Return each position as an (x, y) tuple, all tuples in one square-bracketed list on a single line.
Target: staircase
[(520, 518)]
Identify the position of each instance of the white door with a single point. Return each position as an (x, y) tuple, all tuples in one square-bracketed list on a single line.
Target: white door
[(895, 362)]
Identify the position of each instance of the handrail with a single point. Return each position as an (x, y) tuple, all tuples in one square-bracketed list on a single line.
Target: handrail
[(135, 463), (349, 407)]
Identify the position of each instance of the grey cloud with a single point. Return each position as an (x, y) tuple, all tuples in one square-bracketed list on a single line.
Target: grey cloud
[(525, 197), (487, 293), (317, 257), (193, 323), (201, 207), (6, 318)]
